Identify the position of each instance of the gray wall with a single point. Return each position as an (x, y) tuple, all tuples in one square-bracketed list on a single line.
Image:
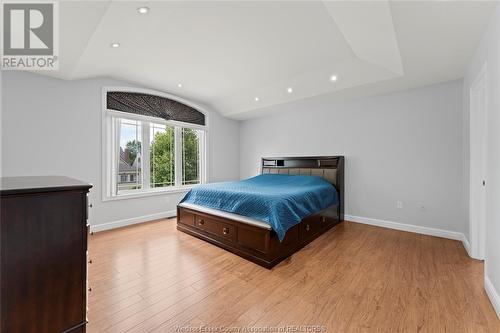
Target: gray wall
[(403, 146), (489, 52), (53, 127)]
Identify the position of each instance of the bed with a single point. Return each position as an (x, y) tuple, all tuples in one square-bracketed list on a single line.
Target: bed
[(267, 218)]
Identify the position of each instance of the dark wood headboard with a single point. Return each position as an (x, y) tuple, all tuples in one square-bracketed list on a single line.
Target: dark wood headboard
[(329, 167)]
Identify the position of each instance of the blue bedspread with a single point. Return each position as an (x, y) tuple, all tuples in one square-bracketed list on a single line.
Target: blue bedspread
[(280, 200)]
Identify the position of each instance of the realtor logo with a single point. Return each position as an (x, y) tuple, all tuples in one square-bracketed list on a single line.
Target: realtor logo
[(30, 36)]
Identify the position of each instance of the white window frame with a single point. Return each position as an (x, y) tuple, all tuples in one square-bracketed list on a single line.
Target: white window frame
[(109, 152)]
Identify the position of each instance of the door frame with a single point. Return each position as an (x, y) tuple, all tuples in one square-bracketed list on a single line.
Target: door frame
[(478, 144)]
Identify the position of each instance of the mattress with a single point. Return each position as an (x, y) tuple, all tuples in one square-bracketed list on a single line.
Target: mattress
[(281, 201), (231, 216)]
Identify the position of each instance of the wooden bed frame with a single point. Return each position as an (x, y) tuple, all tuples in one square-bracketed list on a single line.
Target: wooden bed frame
[(258, 242)]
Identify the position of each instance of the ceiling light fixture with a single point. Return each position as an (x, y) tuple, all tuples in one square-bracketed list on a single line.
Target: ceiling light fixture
[(289, 90), (256, 99), (143, 10), (179, 85), (115, 45), (333, 78)]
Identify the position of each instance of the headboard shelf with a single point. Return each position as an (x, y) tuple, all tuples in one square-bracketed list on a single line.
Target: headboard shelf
[(330, 168), (302, 162)]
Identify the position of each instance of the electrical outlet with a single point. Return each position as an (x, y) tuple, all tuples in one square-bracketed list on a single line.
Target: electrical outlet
[(399, 204), (422, 208)]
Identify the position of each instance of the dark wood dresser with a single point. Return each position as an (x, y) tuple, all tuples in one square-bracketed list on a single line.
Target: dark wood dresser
[(43, 270)]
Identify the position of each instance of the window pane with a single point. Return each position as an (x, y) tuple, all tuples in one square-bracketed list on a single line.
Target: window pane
[(129, 163), (190, 156), (162, 155)]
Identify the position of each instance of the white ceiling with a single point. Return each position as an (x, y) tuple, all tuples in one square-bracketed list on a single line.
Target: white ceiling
[(227, 53)]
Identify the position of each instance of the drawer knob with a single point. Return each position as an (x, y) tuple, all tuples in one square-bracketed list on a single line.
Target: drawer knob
[(323, 219), (225, 231), (307, 227), (201, 222), (90, 261)]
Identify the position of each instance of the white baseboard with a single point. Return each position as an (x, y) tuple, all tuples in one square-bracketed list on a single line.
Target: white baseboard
[(466, 244), (365, 220), (408, 227), (493, 295), (133, 220)]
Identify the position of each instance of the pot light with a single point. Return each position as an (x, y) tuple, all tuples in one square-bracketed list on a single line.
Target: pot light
[(333, 78), (115, 45), (289, 90), (179, 85), (256, 99), (143, 10)]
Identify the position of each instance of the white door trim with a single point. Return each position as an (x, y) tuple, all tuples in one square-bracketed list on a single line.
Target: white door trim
[(477, 163)]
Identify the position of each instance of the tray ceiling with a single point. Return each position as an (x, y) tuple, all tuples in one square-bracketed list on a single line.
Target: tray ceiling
[(240, 58)]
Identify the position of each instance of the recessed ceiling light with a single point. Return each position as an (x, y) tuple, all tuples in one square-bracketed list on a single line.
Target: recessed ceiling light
[(333, 78), (289, 90), (143, 10), (115, 45), (256, 99), (179, 85)]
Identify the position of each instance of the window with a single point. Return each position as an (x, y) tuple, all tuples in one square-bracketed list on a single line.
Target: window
[(191, 156), (145, 155), (129, 156), (162, 155)]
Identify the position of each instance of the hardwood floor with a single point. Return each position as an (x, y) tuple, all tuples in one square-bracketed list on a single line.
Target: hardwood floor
[(354, 278)]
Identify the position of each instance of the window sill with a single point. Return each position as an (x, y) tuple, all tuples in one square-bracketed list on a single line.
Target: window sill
[(149, 193)]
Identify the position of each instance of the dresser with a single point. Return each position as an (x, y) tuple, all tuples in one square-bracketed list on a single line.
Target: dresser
[(43, 270)]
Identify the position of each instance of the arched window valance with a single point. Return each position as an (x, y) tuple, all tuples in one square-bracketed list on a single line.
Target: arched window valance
[(153, 106)]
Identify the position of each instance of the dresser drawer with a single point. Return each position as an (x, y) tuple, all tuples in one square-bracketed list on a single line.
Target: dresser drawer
[(215, 227), (86, 236)]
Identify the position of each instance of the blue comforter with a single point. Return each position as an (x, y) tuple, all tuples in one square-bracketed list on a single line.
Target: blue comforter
[(280, 200)]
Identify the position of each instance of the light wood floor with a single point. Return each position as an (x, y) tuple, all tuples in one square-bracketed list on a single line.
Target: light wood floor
[(355, 278)]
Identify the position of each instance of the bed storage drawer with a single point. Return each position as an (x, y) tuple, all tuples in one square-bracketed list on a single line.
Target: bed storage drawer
[(186, 217), (258, 244), (310, 227), (215, 227), (325, 222), (253, 238)]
